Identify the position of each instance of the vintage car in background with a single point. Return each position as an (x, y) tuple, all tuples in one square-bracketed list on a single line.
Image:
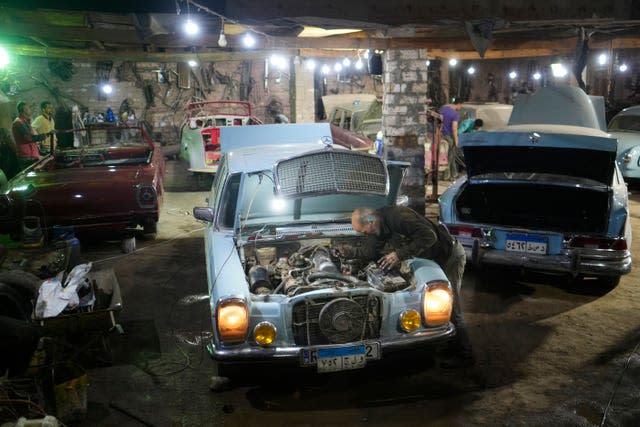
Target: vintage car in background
[(544, 193), (200, 133), (359, 113), (625, 127), (493, 114), (280, 203), (112, 181)]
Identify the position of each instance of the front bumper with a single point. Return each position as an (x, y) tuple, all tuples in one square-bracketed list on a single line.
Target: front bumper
[(589, 262), (389, 345)]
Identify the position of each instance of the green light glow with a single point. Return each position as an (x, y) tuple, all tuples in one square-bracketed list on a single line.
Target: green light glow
[(4, 57)]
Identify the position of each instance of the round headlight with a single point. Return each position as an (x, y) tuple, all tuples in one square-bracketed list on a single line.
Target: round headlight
[(437, 304), (410, 320), (264, 333), (232, 320)]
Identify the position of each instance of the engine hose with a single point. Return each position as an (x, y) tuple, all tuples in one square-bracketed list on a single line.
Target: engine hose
[(329, 275)]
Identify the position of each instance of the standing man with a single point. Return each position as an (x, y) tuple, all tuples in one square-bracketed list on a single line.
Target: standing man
[(450, 119), (25, 137), (44, 124), (408, 234)]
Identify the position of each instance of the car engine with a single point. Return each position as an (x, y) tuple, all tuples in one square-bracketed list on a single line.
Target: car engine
[(292, 268)]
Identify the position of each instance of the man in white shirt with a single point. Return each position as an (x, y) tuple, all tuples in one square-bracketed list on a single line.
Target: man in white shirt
[(44, 123)]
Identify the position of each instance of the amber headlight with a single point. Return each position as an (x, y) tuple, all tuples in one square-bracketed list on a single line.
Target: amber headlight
[(410, 320), (232, 320), (264, 333), (437, 304)]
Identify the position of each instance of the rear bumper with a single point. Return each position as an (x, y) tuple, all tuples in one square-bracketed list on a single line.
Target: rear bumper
[(592, 262), (389, 345)]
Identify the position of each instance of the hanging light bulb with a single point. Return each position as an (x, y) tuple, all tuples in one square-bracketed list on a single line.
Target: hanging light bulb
[(222, 40), (359, 64)]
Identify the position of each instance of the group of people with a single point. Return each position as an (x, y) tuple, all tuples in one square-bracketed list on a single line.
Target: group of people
[(33, 138), (451, 128)]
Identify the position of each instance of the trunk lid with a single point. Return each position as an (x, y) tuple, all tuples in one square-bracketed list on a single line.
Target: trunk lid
[(544, 149)]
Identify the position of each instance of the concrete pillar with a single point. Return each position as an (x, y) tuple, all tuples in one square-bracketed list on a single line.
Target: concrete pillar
[(303, 101), (403, 117)]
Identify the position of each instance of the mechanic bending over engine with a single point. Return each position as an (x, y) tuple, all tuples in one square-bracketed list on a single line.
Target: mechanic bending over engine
[(410, 235)]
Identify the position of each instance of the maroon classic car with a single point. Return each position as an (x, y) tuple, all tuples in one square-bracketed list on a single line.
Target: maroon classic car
[(111, 180)]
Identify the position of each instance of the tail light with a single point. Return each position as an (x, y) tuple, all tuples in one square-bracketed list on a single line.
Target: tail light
[(465, 231), (598, 243), (146, 196), (211, 139)]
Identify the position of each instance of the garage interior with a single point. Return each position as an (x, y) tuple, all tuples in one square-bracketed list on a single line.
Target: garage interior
[(549, 353)]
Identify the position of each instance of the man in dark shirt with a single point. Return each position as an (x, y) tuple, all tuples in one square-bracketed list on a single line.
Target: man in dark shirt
[(408, 234)]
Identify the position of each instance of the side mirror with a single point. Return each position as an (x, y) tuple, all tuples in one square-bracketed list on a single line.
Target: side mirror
[(203, 214)]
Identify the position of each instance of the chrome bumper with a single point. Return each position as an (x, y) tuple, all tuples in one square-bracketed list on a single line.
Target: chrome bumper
[(389, 345), (590, 262)]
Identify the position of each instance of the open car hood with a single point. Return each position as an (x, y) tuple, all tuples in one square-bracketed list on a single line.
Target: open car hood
[(555, 131)]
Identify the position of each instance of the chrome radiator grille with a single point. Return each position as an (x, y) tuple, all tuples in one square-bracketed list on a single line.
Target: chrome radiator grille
[(331, 171), (336, 320)]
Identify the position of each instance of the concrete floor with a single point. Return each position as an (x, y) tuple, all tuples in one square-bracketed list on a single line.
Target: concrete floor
[(548, 354)]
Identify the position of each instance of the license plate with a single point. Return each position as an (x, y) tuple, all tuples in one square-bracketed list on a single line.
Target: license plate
[(340, 358), (526, 243)]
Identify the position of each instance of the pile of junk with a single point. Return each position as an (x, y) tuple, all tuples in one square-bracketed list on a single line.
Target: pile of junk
[(56, 315)]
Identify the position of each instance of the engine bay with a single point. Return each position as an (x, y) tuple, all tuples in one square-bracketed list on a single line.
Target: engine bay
[(294, 267)]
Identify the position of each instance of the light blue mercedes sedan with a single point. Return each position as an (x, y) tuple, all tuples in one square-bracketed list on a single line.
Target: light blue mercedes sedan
[(280, 204), (544, 193), (625, 127)]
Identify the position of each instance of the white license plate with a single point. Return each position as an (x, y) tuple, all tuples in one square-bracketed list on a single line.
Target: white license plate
[(340, 358), (526, 243)]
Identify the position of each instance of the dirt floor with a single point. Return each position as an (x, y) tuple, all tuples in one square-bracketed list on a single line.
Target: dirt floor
[(550, 352)]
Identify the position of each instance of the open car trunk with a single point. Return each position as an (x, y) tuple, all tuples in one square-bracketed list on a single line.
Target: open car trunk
[(543, 207)]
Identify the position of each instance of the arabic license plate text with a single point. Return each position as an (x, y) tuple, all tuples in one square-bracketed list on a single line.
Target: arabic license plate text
[(334, 359), (526, 243)]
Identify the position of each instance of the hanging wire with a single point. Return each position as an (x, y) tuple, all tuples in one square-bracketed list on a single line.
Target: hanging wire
[(225, 19)]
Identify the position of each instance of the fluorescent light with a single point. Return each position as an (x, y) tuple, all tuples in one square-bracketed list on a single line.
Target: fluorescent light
[(537, 76), (623, 67), (191, 28), (326, 69), (471, 70), (453, 62), (513, 75), (602, 59), (248, 40), (310, 64), (558, 70), (107, 88)]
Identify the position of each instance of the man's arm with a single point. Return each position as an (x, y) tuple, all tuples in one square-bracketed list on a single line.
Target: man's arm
[(454, 131)]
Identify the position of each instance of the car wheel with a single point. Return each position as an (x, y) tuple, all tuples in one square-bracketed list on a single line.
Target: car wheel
[(13, 304)]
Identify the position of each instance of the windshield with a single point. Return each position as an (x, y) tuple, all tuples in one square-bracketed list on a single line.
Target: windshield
[(625, 123), (258, 205)]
